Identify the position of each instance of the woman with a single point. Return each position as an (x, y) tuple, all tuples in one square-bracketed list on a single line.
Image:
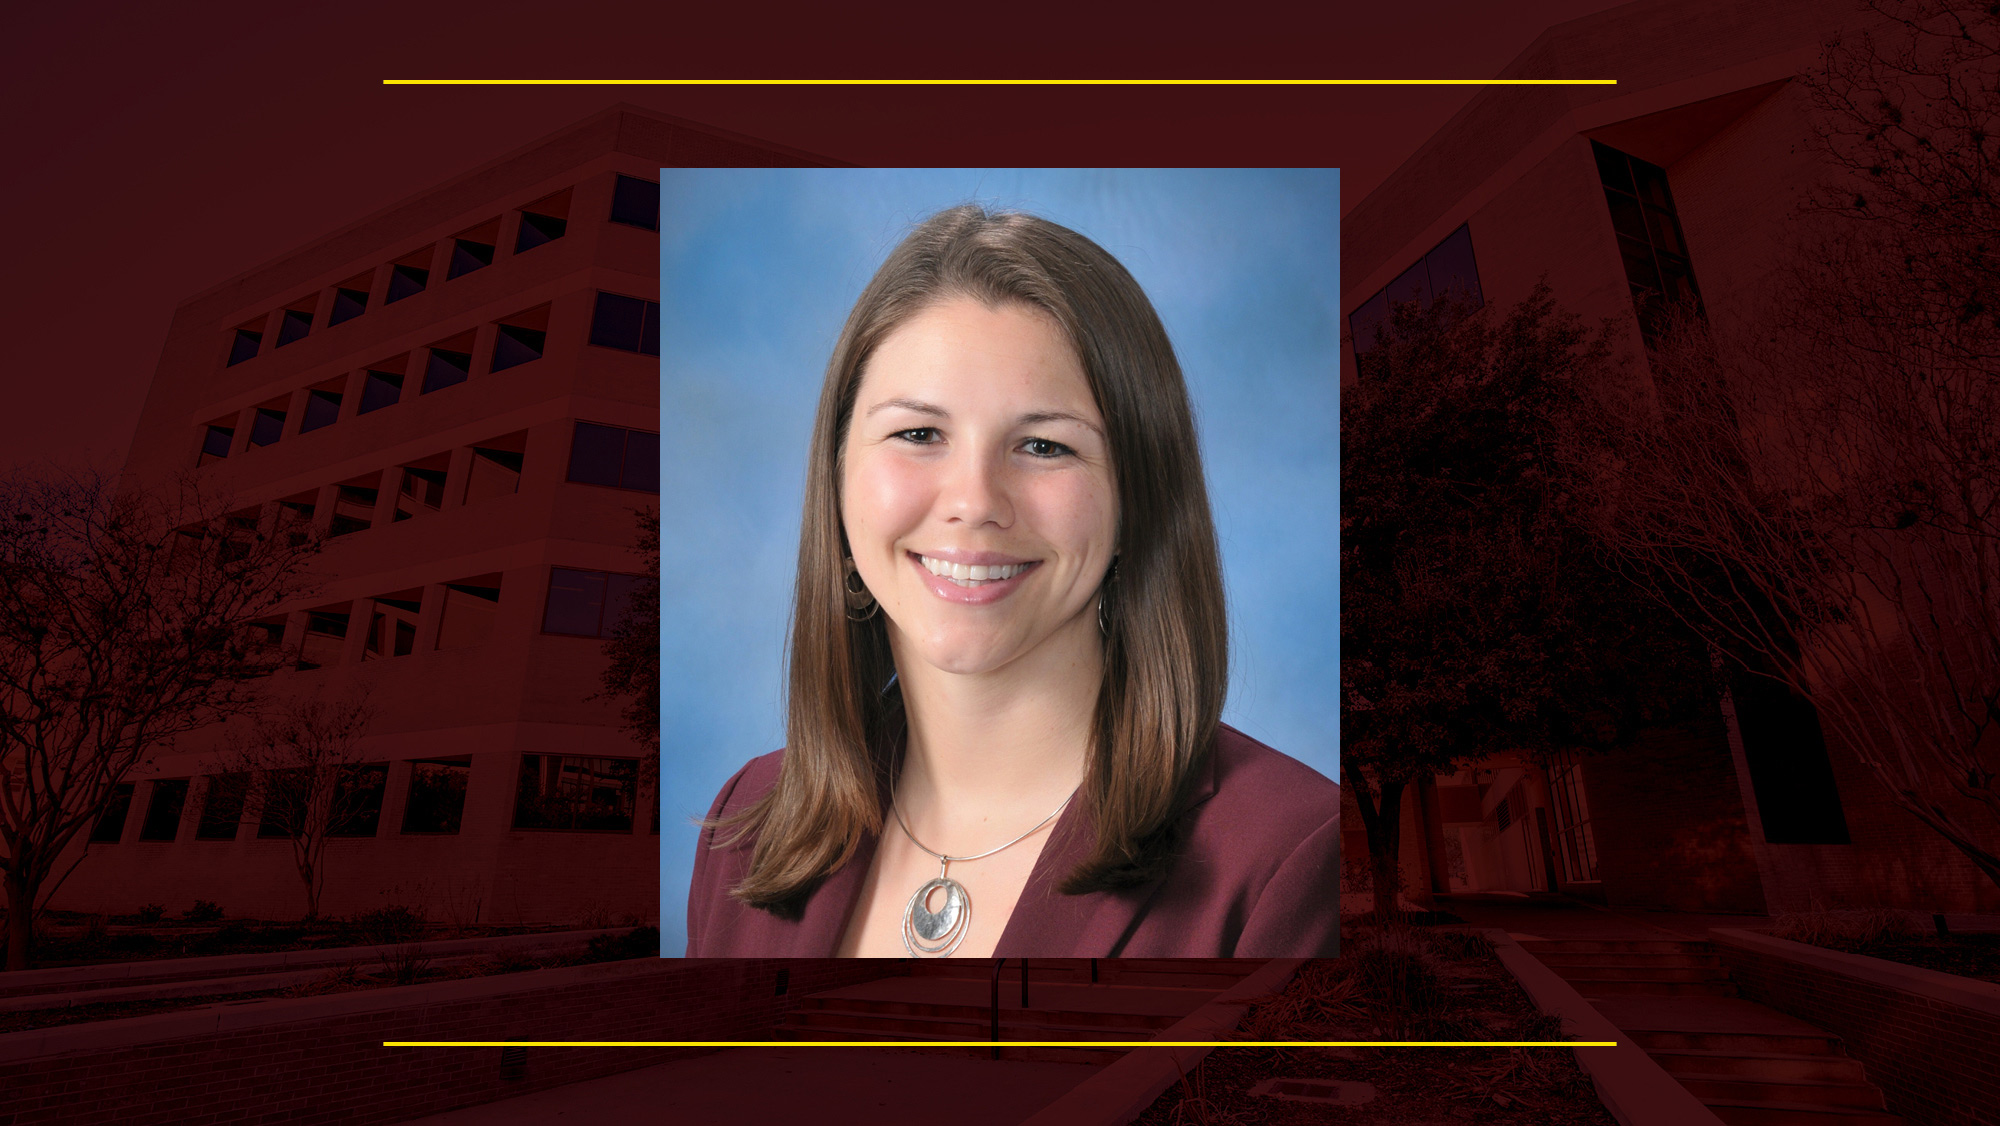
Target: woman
[(1009, 652)]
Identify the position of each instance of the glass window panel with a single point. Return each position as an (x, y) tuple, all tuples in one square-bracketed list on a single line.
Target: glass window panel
[(597, 455), (406, 281), (446, 368), (347, 305), (322, 409), (538, 229), (245, 345), (619, 322), (1452, 268), (576, 792), (1628, 218), (216, 442), (1612, 171), (1413, 284), (576, 602), (617, 596), (1369, 320), (642, 461), (222, 807), (1639, 268), (163, 810), (295, 325), (380, 389), (514, 346), (649, 336), (356, 807), (268, 426), (436, 801), (1664, 231), (636, 202), (110, 827), (1651, 181), (467, 256), (494, 473)]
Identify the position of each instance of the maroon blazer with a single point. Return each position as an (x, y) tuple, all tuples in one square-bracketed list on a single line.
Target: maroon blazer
[(1257, 877)]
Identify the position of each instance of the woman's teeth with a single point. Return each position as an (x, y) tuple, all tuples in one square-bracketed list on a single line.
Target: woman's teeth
[(961, 574)]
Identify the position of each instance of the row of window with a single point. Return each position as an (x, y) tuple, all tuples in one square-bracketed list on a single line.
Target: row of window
[(561, 792), (1448, 268), (634, 202), (629, 324)]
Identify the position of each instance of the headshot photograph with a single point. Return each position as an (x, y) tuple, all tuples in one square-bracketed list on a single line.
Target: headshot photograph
[(999, 601)]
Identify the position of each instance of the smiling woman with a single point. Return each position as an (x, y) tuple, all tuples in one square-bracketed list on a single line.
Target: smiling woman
[(1009, 651)]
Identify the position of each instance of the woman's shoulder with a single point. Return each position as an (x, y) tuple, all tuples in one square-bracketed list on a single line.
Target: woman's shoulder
[(1279, 791), (748, 784)]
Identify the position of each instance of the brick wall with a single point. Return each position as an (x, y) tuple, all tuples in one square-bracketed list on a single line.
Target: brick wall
[(1929, 1040), (320, 1059)]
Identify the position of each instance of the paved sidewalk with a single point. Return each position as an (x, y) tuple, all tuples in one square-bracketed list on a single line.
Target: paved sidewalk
[(783, 1085)]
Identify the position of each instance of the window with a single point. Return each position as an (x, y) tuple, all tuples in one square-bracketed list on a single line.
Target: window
[(356, 810), (392, 632), (422, 490), (322, 409), (576, 792), (636, 203), (325, 637), (267, 427), (354, 505), (163, 810), (496, 467), (215, 442), (294, 325), (347, 305), (467, 256), (470, 606), (380, 389), (244, 346), (222, 807), (543, 221), (408, 276), (1797, 797), (1648, 230), (110, 827), (521, 339), (1575, 843), (436, 801), (586, 603), (615, 456), (450, 363), (1447, 269), (630, 324)]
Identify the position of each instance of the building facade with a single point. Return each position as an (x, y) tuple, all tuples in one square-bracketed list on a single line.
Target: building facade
[(461, 392), (1679, 182)]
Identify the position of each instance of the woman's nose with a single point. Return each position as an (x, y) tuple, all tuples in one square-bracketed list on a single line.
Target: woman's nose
[(975, 490)]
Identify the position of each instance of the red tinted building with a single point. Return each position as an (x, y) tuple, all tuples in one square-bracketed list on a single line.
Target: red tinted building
[(1679, 182), (462, 392)]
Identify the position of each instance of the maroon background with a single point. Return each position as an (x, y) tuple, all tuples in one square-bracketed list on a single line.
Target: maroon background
[(159, 150)]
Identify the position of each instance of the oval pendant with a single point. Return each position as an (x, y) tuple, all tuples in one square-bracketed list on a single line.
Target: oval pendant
[(935, 934)]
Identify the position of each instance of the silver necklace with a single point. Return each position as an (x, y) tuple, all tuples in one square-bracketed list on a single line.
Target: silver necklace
[(935, 934)]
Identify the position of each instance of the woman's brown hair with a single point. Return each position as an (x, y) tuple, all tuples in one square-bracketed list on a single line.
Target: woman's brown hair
[(1166, 650)]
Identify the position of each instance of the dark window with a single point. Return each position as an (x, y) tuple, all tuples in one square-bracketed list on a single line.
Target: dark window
[(627, 323), (615, 456), (514, 346), (467, 256), (222, 807), (494, 473), (356, 810), (406, 281), (353, 509), (636, 202), (380, 389), (110, 825), (538, 229), (422, 491), (216, 442), (1789, 772), (296, 324), (245, 345), (576, 792), (1448, 269), (322, 409), (1648, 230), (347, 305), (586, 603), (163, 810), (326, 634), (436, 801), (268, 426), (446, 368)]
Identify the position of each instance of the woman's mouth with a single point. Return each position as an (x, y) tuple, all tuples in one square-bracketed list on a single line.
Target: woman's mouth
[(973, 584), (971, 575)]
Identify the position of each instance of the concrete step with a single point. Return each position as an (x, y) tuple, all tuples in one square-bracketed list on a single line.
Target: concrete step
[(1771, 1067), (1627, 971), (1736, 1089), (1620, 987), (1540, 946), (1560, 962), (1080, 1018), (1096, 1056), (1799, 1114), (1751, 1043)]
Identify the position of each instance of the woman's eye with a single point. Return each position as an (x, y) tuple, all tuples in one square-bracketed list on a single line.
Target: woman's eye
[(1042, 447), (922, 435)]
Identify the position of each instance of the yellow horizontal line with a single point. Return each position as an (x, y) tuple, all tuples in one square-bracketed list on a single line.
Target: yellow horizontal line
[(999, 1043), (999, 82)]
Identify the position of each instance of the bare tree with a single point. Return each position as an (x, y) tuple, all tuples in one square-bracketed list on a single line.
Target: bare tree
[(302, 761), (127, 618), (634, 648), (1819, 493)]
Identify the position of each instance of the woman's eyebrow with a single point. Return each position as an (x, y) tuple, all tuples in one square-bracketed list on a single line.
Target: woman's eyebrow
[(916, 405), (1036, 417)]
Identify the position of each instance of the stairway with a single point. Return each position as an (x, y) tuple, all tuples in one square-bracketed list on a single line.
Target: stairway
[(951, 999), (1752, 1065)]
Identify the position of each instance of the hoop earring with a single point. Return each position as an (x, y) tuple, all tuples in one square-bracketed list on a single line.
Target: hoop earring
[(1103, 614), (1103, 620), (858, 596)]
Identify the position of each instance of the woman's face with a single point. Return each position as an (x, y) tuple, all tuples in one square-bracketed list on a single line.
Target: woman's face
[(976, 490)]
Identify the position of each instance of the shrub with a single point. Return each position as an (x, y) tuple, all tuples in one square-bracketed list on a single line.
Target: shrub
[(203, 911), (1851, 927), (152, 913), (406, 964), (639, 942), (392, 924)]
